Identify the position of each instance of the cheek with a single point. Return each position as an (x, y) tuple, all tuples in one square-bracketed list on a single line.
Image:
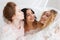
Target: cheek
[(20, 16), (33, 16), (28, 18)]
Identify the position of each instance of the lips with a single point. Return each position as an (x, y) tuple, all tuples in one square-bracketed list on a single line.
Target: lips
[(31, 19)]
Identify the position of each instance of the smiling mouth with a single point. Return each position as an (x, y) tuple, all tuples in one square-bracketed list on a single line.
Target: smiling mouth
[(31, 19)]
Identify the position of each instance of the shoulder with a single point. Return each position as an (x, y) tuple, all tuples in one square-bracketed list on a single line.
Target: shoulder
[(5, 28)]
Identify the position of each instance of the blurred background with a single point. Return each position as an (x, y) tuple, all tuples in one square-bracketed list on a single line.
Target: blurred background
[(36, 5)]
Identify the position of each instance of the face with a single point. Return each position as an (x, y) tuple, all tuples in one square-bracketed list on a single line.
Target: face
[(30, 16), (45, 16), (19, 14)]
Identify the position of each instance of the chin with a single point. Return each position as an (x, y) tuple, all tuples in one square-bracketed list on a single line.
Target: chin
[(32, 20)]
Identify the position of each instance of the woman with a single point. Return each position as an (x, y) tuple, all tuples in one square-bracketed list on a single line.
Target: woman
[(30, 23), (46, 18), (47, 33), (13, 27), (51, 32)]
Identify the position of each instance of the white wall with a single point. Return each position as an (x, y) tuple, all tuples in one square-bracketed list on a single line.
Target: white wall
[(54, 3)]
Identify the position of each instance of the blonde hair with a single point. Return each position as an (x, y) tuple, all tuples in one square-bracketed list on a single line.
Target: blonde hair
[(49, 20)]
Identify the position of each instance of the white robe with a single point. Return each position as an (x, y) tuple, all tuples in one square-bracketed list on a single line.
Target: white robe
[(9, 32)]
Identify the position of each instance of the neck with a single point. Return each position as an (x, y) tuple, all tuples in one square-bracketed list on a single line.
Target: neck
[(30, 25), (16, 24)]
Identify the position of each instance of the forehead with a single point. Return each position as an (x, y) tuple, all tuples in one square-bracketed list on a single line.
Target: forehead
[(47, 12), (29, 10)]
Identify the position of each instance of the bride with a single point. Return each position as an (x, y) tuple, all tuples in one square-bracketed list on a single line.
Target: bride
[(13, 28)]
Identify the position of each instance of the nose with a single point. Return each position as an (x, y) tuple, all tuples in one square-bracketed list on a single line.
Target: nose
[(32, 16)]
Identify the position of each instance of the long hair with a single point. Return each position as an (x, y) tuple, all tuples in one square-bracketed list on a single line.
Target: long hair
[(50, 19), (25, 21)]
